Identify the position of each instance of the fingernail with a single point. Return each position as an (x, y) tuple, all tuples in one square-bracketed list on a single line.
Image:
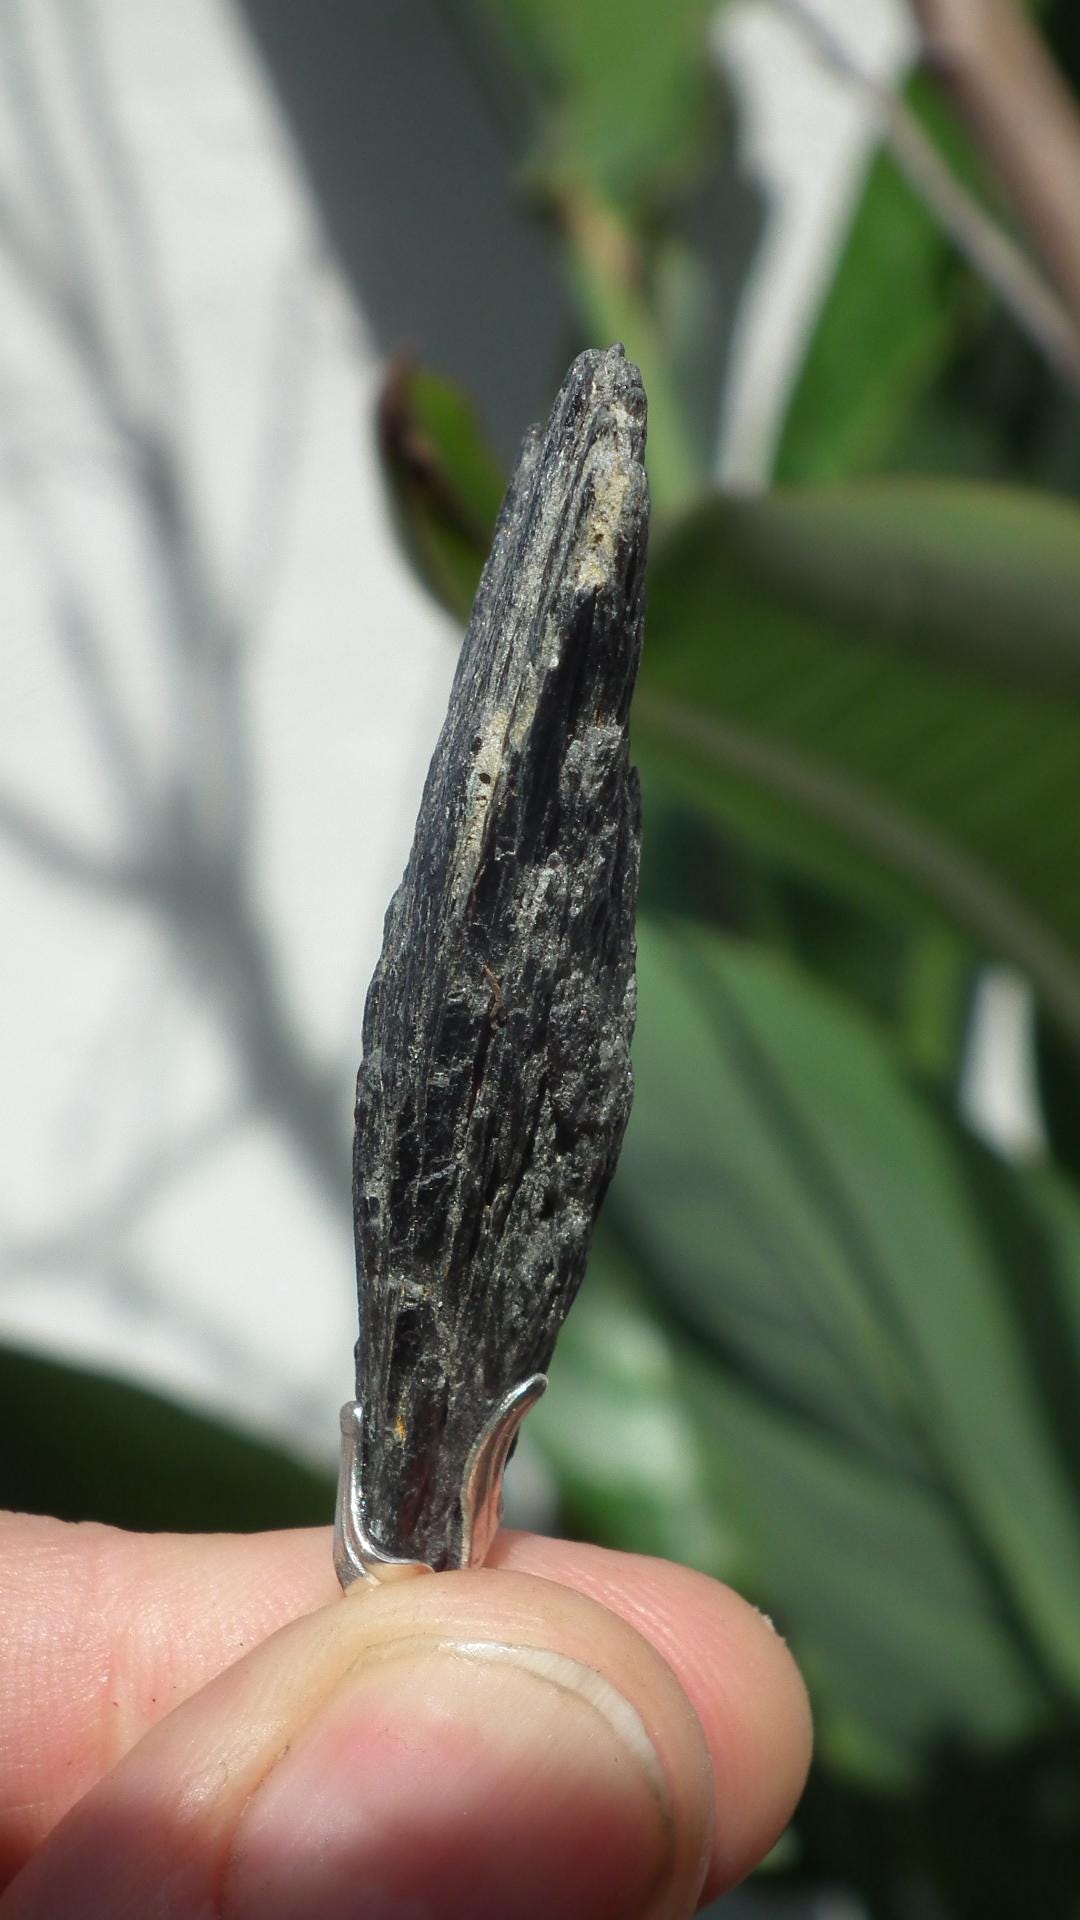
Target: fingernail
[(464, 1778)]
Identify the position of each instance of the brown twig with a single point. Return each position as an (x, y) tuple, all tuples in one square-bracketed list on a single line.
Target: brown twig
[(1034, 304), (1019, 110)]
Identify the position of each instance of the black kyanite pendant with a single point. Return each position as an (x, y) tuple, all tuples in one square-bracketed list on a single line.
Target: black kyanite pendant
[(495, 1085)]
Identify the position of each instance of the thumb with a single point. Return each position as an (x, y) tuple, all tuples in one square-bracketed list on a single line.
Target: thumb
[(475, 1744)]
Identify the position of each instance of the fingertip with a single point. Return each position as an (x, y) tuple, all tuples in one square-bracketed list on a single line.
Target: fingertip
[(735, 1668), (96, 1617), (549, 1760), (482, 1744), (105, 1632)]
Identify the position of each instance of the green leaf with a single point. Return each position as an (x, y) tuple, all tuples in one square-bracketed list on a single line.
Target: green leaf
[(624, 107), (82, 1446), (1058, 1082), (857, 1285), (622, 95), (877, 686), (898, 305), (444, 481), (607, 268), (916, 982), (904, 1640), (617, 1433)]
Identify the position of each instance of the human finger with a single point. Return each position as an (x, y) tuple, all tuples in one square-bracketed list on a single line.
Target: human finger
[(471, 1744), (104, 1632)]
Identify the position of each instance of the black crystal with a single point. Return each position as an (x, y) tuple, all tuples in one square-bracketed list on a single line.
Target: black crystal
[(496, 1084)]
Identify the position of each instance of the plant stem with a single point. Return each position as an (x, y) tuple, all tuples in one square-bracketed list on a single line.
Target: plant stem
[(1019, 110), (608, 274), (1034, 304)]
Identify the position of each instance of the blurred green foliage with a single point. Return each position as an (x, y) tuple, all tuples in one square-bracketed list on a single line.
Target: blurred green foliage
[(84, 1446), (621, 99), (830, 1342), (444, 483), (900, 306)]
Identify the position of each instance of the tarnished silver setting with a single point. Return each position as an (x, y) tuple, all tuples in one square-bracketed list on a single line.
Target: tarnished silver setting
[(356, 1554), (481, 1496)]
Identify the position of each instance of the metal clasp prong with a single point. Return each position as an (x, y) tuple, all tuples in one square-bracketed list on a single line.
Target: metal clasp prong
[(358, 1557), (481, 1495)]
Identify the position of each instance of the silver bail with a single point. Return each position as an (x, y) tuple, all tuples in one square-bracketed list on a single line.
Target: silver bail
[(358, 1557)]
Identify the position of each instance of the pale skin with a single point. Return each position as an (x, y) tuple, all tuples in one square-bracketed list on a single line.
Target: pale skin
[(204, 1729)]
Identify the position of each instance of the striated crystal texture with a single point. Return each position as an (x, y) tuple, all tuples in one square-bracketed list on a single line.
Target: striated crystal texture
[(495, 1084)]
